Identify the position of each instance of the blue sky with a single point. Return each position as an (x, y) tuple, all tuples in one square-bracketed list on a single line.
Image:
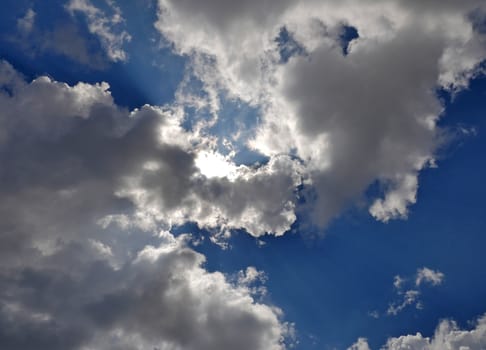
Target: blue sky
[(269, 176)]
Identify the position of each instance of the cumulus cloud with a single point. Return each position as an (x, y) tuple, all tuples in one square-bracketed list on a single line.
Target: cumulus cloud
[(138, 162), (447, 336), (74, 169), (356, 119), (200, 310), (161, 298)]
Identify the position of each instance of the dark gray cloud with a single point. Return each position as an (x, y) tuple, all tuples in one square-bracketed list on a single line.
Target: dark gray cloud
[(372, 106), (162, 298), (73, 164)]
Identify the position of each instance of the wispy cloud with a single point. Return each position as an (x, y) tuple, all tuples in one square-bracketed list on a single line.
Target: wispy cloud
[(409, 290), (105, 27)]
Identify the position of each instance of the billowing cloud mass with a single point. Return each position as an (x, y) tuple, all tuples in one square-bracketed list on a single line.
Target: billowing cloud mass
[(140, 160), (76, 169), (447, 336), (163, 298), (90, 192), (353, 119)]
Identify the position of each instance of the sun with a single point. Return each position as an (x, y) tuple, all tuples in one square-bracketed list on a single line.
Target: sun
[(215, 165)]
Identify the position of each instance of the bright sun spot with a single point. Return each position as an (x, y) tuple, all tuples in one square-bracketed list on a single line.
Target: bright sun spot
[(212, 164)]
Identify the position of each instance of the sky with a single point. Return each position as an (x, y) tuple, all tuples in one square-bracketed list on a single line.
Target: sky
[(242, 175)]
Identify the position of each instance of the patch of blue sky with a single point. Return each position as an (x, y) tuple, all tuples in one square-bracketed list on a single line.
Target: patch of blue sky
[(195, 114), (478, 19), (348, 33), (152, 67), (236, 123), (287, 45), (247, 156)]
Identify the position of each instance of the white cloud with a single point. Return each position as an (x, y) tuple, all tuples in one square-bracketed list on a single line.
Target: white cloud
[(447, 336), (426, 275), (104, 27), (250, 276), (398, 282), (397, 200), (353, 120), (361, 344), (258, 200), (349, 124)]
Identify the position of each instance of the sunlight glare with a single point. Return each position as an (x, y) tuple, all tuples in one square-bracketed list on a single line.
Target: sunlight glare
[(212, 164)]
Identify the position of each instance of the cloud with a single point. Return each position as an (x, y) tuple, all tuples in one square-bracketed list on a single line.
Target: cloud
[(361, 344), (105, 27), (366, 117), (447, 336), (410, 294), (426, 275), (174, 302), (67, 40), (84, 266), (63, 38), (26, 23), (333, 123), (409, 297), (397, 282), (139, 163), (161, 298)]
